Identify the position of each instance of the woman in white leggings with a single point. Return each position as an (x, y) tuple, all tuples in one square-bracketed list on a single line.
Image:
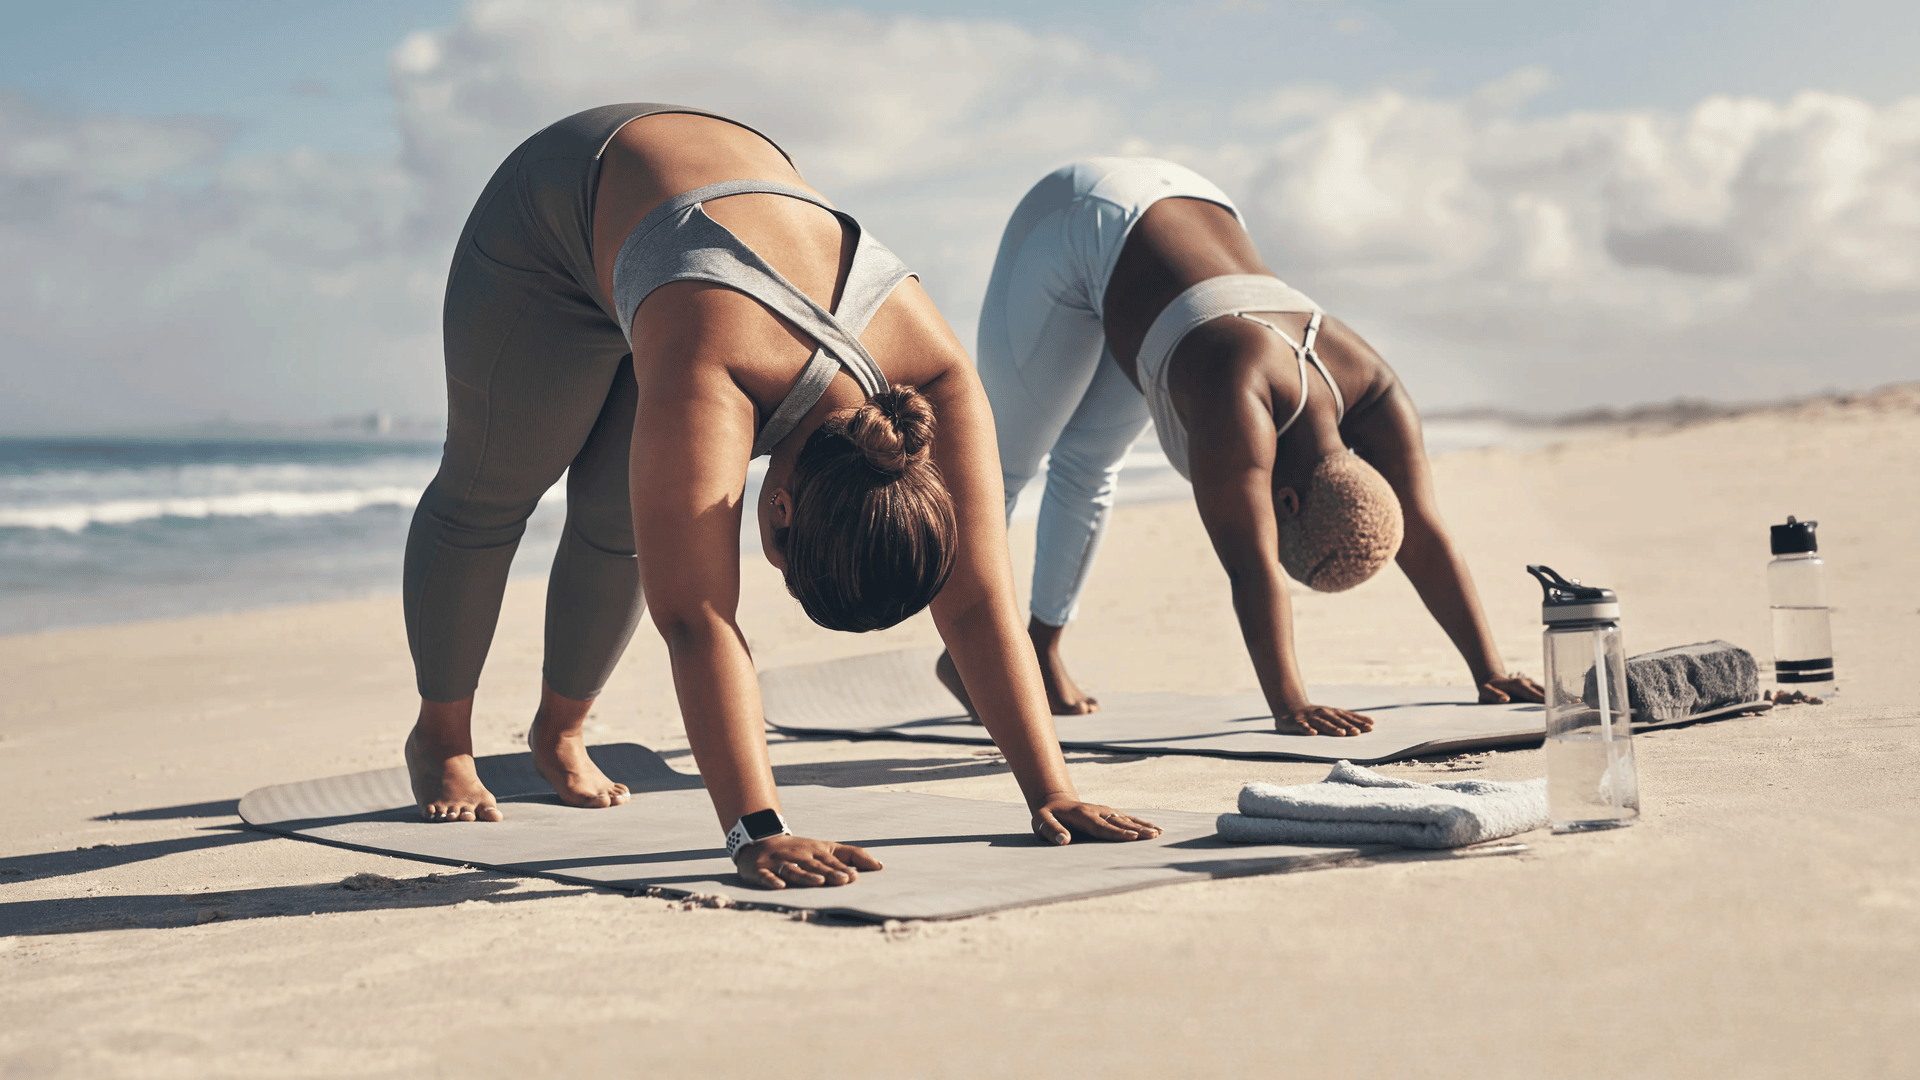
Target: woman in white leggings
[(1127, 292)]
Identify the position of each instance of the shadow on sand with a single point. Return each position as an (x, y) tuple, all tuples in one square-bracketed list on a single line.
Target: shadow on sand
[(361, 892)]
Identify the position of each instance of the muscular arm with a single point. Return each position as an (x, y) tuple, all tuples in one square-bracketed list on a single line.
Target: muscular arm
[(1231, 456), (978, 618), (693, 434), (1389, 437), (687, 473)]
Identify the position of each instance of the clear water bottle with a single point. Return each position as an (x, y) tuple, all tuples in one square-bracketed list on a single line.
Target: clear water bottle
[(1591, 783), (1802, 629)]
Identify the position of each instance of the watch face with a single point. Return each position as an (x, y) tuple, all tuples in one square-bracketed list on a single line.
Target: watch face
[(763, 823)]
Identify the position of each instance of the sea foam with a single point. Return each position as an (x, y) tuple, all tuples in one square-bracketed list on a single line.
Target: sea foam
[(73, 517)]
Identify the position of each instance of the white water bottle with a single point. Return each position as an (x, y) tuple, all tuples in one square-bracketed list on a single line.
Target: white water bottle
[(1802, 628)]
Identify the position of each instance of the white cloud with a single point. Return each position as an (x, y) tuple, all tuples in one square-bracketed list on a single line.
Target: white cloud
[(1744, 249), (906, 122), (151, 279), (148, 280)]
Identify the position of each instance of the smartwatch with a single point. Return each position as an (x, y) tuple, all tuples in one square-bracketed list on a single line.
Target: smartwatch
[(755, 827)]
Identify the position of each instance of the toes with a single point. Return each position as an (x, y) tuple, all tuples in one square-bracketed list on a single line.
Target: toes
[(485, 813)]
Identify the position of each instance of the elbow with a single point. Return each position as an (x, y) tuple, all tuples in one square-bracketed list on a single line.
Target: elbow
[(1252, 587), (1426, 553), (687, 631), (1422, 538)]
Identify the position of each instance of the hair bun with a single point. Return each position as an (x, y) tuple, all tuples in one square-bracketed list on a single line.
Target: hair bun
[(894, 429)]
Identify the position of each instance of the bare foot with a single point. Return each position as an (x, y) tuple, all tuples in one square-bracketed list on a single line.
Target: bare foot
[(950, 678), (1064, 696), (560, 753), (440, 764)]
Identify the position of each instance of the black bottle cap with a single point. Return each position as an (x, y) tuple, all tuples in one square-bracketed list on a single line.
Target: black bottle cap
[(1794, 537), (1571, 602)]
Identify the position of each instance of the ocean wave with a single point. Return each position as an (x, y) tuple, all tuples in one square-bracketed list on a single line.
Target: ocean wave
[(73, 517)]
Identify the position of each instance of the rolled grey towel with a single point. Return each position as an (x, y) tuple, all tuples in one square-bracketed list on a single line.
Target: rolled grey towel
[(1358, 806), (1688, 679)]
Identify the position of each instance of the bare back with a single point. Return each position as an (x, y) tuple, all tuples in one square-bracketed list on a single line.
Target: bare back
[(706, 331)]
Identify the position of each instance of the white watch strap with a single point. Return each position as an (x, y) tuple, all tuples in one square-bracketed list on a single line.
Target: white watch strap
[(740, 835)]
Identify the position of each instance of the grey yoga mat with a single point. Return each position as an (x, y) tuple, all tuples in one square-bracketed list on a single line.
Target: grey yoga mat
[(894, 695), (945, 858)]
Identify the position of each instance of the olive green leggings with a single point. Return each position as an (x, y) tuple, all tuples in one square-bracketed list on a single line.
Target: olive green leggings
[(539, 383)]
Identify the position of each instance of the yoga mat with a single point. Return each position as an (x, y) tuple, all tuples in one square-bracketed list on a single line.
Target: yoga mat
[(945, 858), (895, 695)]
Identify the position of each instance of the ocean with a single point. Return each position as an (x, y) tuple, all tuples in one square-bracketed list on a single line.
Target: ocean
[(100, 530)]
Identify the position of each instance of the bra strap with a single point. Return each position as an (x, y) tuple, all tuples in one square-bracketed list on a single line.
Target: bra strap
[(1303, 352), (1339, 401)]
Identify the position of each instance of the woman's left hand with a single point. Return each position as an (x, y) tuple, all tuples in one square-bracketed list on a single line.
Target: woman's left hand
[(1059, 819), (1510, 688)]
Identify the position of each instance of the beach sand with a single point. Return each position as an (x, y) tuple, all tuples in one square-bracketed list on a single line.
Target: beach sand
[(1761, 920)]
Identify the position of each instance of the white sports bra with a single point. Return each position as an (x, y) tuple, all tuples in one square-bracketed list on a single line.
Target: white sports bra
[(1214, 298)]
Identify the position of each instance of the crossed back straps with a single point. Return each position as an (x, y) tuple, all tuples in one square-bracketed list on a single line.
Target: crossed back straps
[(677, 241)]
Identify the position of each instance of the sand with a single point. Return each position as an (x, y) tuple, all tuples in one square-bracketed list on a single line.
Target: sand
[(1763, 919)]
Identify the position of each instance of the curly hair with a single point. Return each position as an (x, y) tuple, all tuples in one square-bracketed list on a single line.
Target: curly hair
[(1348, 527)]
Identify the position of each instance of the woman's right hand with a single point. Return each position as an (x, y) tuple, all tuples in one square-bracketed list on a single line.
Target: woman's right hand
[(782, 861), (1321, 720)]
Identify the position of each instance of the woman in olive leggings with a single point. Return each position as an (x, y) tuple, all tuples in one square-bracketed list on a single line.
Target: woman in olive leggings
[(645, 298)]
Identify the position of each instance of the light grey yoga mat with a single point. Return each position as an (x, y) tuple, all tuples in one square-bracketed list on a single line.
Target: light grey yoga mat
[(946, 858), (894, 695)]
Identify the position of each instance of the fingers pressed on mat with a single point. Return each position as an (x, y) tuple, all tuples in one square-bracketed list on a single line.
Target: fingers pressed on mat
[(818, 868), (796, 874), (1049, 829)]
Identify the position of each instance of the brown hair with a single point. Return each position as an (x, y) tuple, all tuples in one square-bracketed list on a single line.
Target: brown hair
[(872, 536)]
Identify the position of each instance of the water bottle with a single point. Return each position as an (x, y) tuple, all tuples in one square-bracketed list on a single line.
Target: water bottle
[(1591, 782), (1802, 630)]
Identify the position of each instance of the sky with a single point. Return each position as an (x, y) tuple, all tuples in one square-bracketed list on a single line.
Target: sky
[(246, 210)]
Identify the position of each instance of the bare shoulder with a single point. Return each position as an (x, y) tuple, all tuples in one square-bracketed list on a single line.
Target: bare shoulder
[(1223, 365), (1366, 380), (911, 340)]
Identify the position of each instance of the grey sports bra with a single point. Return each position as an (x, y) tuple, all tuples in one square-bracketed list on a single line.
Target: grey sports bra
[(677, 241)]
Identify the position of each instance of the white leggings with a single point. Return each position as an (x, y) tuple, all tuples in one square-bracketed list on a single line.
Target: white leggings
[(1054, 386)]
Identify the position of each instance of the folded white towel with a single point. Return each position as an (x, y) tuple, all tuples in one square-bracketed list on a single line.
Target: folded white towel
[(1358, 806)]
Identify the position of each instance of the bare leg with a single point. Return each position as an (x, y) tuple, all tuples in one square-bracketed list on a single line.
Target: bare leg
[(440, 764), (560, 753), (1064, 696)]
